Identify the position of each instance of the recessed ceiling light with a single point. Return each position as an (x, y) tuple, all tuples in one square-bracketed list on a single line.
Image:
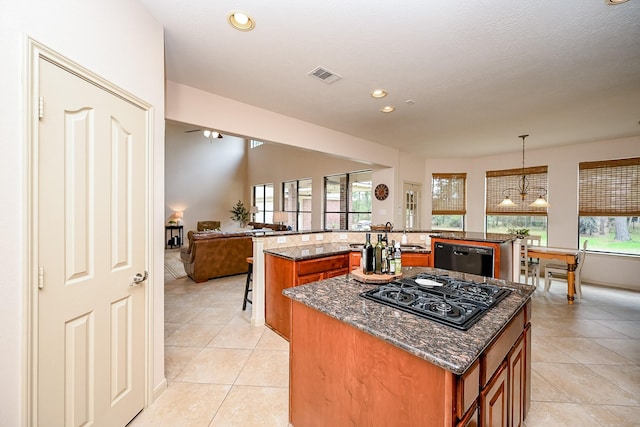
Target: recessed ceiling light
[(387, 109), (240, 20), (378, 93)]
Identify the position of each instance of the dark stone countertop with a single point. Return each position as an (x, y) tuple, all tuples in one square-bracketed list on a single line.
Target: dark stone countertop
[(444, 346), (299, 253), (475, 236)]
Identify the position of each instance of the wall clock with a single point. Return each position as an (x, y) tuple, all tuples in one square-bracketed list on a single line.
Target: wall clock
[(381, 191)]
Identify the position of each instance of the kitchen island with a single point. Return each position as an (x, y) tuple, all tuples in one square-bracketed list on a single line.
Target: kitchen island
[(357, 362)]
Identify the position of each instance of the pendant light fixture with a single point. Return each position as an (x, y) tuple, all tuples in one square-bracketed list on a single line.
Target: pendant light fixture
[(523, 188)]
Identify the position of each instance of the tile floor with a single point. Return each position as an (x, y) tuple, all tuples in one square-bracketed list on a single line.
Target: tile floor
[(224, 372)]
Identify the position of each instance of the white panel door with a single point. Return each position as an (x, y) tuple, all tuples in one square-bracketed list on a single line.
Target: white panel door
[(411, 208), (91, 222)]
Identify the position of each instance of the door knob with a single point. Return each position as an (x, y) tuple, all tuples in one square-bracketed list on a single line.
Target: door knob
[(139, 278)]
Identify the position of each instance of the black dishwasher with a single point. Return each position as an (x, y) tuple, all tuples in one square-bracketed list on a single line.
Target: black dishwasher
[(464, 258)]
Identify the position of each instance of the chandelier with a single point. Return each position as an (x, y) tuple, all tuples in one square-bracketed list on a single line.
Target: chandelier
[(523, 188)]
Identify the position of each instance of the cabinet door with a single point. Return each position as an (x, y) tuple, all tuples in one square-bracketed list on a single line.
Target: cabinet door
[(493, 398), (354, 260), (415, 260), (471, 420), (279, 274), (517, 383)]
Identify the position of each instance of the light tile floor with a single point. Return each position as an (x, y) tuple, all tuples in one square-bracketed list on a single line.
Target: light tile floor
[(221, 371)]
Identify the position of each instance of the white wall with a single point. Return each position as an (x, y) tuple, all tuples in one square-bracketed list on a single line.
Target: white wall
[(117, 40), (204, 179), (275, 163), (188, 105), (562, 162)]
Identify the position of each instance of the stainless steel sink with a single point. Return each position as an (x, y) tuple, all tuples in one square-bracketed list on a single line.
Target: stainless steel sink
[(411, 247)]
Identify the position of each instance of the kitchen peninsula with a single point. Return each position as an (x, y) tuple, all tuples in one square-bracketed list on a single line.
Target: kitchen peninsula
[(354, 361)]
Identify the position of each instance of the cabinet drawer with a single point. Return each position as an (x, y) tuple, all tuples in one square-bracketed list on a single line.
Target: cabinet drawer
[(319, 265), (335, 273), (468, 389), (497, 352), (308, 278)]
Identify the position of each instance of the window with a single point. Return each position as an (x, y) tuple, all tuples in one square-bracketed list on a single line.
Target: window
[(297, 203), (263, 200), (448, 191), (502, 219), (347, 201), (609, 205)]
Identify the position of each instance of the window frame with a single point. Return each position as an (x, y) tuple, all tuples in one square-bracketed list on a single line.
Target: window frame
[(346, 211), (263, 215), (298, 214)]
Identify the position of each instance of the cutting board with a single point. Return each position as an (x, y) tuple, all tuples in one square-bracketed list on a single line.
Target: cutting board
[(373, 278)]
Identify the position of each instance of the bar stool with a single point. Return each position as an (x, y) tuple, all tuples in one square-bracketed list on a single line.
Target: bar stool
[(247, 286)]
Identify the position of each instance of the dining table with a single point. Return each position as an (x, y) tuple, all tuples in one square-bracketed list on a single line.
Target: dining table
[(569, 256)]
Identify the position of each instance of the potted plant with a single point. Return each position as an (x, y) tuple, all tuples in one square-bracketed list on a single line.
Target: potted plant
[(240, 214), (519, 232)]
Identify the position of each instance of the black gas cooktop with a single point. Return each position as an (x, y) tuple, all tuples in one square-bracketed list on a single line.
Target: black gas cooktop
[(444, 299)]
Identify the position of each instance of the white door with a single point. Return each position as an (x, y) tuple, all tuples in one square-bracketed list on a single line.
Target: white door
[(411, 205), (91, 222)]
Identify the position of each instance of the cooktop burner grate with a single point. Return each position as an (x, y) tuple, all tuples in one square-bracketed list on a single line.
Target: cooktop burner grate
[(450, 301)]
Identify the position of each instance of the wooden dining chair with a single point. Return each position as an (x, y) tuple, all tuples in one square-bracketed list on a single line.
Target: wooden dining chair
[(528, 266), (560, 271)]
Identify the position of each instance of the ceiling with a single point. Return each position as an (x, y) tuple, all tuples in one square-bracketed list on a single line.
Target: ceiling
[(466, 77)]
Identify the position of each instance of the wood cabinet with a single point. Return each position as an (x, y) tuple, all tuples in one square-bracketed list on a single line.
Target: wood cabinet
[(415, 259), (354, 260), (494, 399), (282, 273), (517, 375), (409, 259), (341, 375)]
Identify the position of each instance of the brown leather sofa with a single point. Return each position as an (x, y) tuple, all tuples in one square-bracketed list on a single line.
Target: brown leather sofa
[(214, 254), (208, 225), (274, 227)]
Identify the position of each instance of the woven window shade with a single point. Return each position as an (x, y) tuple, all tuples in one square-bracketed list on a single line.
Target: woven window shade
[(449, 194), (610, 188), (499, 181)]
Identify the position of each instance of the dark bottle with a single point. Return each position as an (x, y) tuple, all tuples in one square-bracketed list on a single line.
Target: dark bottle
[(378, 256), (368, 261)]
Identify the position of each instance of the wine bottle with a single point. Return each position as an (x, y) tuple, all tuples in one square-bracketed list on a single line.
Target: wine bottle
[(368, 256), (378, 256)]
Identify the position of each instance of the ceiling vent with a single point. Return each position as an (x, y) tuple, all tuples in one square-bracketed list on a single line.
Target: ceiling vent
[(325, 75)]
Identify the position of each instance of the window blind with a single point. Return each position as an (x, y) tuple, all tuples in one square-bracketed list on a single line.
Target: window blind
[(609, 188), (499, 181), (449, 194)]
